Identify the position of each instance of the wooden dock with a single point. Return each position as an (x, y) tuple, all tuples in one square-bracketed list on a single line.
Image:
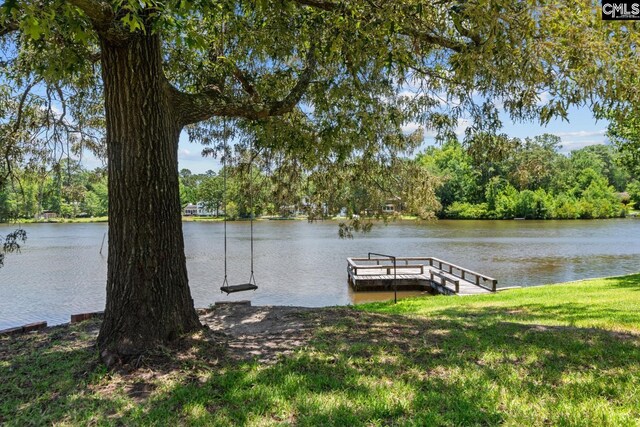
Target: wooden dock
[(416, 273)]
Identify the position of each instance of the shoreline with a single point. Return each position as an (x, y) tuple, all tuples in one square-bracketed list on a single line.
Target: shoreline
[(102, 220), (41, 325)]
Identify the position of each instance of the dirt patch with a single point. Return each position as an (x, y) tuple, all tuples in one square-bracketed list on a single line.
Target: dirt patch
[(239, 332), (234, 333), (262, 333)]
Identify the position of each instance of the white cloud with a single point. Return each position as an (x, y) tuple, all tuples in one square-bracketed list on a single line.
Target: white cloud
[(411, 127), (581, 133), (189, 155), (410, 93), (88, 160), (577, 139), (459, 130), (463, 124), (414, 126), (570, 145), (543, 98)]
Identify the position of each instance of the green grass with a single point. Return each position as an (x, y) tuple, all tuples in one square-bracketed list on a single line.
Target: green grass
[(556, 355), (193, 218), (607, 303)]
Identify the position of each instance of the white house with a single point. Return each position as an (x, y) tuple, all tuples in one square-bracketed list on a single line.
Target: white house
[(190, 210), (203, 211)]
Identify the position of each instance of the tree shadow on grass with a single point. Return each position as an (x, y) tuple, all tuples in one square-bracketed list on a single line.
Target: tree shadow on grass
[(463, 367), (372, 369), (571, 313), (45, 377), (55, 376), (627, 282)]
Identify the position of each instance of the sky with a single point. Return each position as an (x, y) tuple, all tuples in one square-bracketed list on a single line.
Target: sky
[(581, 130)]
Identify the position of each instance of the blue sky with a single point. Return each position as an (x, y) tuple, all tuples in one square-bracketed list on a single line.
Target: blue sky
[(581, 130)]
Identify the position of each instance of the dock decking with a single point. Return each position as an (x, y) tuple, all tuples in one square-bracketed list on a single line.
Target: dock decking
[(416, 273)]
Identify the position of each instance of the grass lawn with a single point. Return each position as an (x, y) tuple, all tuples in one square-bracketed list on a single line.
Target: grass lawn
[(565, 354)]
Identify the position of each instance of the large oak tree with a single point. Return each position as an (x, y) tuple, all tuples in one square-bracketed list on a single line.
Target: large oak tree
[(321, 79)]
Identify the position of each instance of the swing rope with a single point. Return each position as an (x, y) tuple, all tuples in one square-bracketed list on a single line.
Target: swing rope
[(224, 196), (252, 279), (251, 284)]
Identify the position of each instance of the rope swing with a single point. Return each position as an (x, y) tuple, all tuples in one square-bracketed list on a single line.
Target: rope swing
[(251, 284)]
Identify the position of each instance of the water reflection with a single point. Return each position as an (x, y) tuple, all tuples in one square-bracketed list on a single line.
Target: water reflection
[(60, 270)]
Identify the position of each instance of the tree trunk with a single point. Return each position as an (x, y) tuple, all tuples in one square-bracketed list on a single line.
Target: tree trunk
[(148, 297)]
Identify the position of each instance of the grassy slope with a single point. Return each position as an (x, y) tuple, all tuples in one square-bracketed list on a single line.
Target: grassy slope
[(559, 355), (608, 303)]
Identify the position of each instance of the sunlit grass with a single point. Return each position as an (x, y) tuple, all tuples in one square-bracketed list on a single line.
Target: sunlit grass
[(556, 355), (609, 303)]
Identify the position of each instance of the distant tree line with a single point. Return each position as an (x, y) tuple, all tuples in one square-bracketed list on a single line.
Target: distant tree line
[(66, 190), (495, 176), (208, 189), (359, 186), (483, 177)]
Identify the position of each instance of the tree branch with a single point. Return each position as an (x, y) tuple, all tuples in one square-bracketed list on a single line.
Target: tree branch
[(319, 4), (103, 19), (194, 108), (99, 12), (23, 99), (435, 39), (409, 30), (245, 81), (287, 104), (8, 27)]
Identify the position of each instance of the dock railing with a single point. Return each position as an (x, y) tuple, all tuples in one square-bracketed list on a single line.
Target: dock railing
[(361, 265), (444, 279), (480, 280), (354, 265)]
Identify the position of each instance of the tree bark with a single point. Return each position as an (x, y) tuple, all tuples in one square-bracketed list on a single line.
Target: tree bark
[(148, 297)]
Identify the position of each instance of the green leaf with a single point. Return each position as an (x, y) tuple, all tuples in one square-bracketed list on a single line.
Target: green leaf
[(33, 29)]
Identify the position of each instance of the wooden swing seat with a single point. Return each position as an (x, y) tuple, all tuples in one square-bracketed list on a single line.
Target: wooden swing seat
[(239, 288)]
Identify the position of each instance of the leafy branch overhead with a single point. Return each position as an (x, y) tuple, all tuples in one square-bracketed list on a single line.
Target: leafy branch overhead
[(11, 243), (253, 60)]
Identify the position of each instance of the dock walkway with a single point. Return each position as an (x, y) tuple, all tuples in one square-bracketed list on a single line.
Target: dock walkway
[(416, 273)]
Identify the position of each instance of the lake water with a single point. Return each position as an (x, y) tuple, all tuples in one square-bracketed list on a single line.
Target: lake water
[(61, 272)]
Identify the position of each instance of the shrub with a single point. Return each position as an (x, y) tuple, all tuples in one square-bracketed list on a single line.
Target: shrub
[(464, 210), (566, 207)]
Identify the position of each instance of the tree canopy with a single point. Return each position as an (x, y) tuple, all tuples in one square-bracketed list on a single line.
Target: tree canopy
[(347, 64)]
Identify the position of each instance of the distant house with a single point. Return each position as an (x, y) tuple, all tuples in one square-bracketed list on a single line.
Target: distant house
[(389, 208), (198, 209), (306, 206), (203, 211), (393, 205), (191, 210), (47, 215)]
